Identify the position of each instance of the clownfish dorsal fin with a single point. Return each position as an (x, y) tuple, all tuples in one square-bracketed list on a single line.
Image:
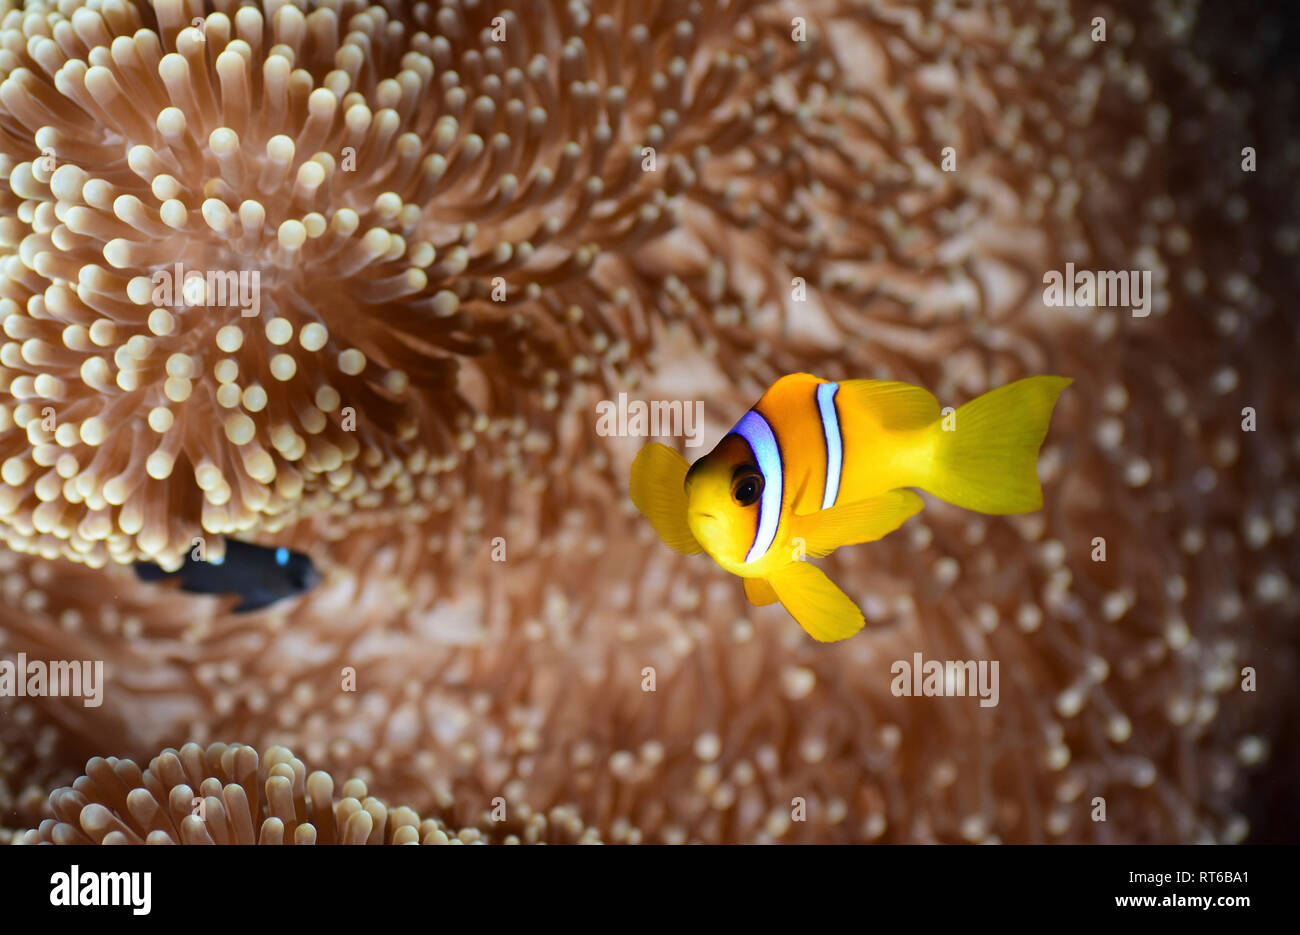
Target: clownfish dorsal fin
[(822, 609), (898, 407), (659, 492), (759, 592), (850, 523)]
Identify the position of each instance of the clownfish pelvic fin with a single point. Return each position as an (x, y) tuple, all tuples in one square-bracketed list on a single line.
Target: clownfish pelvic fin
[(821, 608), (759, 592)]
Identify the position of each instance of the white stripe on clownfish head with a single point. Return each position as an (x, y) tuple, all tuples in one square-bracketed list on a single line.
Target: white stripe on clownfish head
[(834, 443), (754, 429)]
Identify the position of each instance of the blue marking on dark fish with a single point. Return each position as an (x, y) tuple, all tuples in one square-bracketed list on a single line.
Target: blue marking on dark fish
[(259, 575)]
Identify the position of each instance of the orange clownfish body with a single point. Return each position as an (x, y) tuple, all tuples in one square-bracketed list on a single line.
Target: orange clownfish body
[(816, 465)]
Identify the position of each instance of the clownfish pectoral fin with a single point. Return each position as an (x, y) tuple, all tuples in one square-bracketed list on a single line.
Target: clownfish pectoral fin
[(759, 592), (816, 603), (659, 492), (861, 521)]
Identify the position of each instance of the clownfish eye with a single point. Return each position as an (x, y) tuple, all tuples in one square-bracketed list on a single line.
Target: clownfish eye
[(747, 488)]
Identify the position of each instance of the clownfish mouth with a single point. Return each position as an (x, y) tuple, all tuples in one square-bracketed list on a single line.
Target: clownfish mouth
[(704, 526)]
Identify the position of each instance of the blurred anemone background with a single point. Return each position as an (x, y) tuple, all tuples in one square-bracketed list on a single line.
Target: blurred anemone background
[(462, 249)]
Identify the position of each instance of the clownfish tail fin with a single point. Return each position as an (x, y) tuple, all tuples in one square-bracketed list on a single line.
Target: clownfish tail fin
[(986, 453)]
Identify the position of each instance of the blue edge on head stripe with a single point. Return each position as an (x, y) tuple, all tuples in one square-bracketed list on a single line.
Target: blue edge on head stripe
[(753, 428), (834, 444), (282, 556)]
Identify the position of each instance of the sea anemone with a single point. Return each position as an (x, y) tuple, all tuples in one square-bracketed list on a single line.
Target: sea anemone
[(591, 669), (229, 794), (267, 265)]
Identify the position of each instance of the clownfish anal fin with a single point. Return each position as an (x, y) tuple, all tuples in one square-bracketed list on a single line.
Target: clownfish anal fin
[(861, 521), (759, 592), (821, 608), (659, 492)]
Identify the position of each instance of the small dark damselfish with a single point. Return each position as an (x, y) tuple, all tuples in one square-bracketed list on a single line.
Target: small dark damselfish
[(258, 574)]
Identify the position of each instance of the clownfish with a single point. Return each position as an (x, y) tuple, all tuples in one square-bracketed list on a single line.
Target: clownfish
[(815, 465)]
